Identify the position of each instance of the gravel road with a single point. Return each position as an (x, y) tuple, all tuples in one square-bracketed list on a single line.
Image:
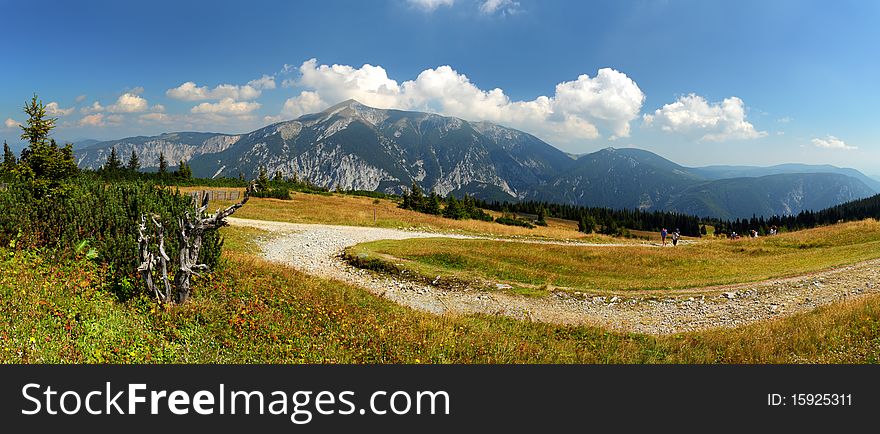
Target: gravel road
[(315, 249)]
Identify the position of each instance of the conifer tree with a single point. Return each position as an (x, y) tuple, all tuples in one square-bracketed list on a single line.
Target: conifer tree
[(134, 163), (183, 170), (163, 164), (433, 205), (43, 162), (9, 160), (113, 163)]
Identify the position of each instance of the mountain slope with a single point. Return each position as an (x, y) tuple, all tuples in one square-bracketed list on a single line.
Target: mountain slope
[(617, 178), (724, 172), (780, 194), (175, 146), (354, 146)]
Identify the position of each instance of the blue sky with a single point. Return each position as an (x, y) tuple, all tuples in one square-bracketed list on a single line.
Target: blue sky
[(699, 82)]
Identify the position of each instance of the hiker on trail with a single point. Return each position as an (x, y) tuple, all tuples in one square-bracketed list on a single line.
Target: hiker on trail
[(675, 237), (663, 235)]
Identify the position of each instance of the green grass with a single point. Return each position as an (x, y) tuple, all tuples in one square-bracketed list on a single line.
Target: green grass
[(251, 311), (711, 262)]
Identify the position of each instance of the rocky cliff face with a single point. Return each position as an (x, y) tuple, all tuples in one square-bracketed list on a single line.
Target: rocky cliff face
[(175, 147), (358, 147)]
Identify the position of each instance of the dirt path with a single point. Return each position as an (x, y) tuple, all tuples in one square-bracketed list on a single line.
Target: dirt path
[(315, 249)]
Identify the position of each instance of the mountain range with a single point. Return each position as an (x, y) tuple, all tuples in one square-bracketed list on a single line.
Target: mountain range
[(354, 146)]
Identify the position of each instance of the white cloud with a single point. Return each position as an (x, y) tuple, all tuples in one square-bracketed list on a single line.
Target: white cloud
[(785, 120), (157, 108), (503, 7), (53, 109), (306, 102), (430, 5), (155, 117), (129, 103), (115, 119), (189, 91), (266, 82), (716, 121), (272, 119), (578, 110), (831, 142), (80, 99), (94, 120), (10, 123), (94, 108), (226, 106)]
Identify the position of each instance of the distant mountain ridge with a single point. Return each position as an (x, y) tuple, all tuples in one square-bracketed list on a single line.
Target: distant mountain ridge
[(354, 146)]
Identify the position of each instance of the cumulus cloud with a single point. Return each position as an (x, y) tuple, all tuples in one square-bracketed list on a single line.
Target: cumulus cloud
[(129, 103), (503, 7), (306, 102), (714, 121), (10, 123), (94, 108), (155, 117), (189, 91), (93, 120), (579, 109), (80, 99), (53, 109), (831, 142), (430, 5), (226, 106)]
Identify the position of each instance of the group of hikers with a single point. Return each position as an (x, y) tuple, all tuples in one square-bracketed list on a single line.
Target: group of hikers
[(676, 235), (753, 233)]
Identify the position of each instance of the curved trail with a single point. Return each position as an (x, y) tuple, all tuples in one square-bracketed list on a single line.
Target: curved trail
[(315, 249)]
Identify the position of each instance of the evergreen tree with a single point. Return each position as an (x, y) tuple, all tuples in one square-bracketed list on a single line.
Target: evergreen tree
[(38, 127), (9, 160), (43, 162), (113, 163), (433, 204), (263, 179), (278, 177), (453, 209), (183, 170), (703, 231), (417, 198), (542, 214), (586, 224), (163, 165), (134, 163)]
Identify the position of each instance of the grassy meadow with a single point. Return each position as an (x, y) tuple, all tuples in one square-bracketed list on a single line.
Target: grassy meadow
[(341, 209), (251, 311), (627, 268)]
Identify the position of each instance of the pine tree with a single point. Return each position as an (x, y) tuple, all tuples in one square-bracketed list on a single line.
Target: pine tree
[(417, 198), (541, 216), (453, 209), (263, 179), (278, 176), (134, 164), (9, 160), (703, 231), (38, 124), (586, 224), (43, 162), (433, 205), (113, 163), (163, 164), (183, 170)]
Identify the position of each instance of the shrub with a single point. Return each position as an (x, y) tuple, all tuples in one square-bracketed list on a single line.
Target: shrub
[(104, 215)]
